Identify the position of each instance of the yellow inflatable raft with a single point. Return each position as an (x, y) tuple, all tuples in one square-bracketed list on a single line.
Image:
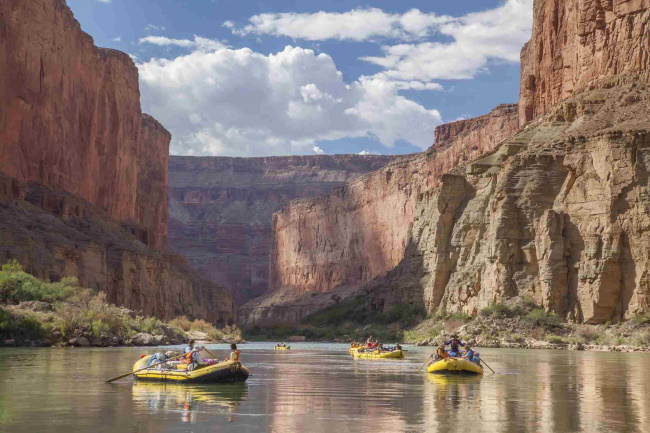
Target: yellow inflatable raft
[(375, 354), (223, 372), (454, 366), (282, 348)]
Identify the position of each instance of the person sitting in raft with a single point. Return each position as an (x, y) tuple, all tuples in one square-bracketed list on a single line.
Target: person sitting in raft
[(189, 347), (469, 353), (454, 342), (441, 353), (476, 359), (397, 347), (234, 354), (192, 357)]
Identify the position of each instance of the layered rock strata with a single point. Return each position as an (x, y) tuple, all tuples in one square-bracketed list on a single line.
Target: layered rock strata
[(221, 209), (556, 212), (71, 117), (84, 171), (361, 231)]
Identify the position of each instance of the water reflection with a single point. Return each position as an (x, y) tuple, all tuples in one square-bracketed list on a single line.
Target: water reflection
[(189, 400), (319, 388)]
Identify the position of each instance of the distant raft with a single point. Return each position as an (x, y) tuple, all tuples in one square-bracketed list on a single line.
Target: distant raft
[(455, 366), (282, 347), (223, 372), (376, 354)]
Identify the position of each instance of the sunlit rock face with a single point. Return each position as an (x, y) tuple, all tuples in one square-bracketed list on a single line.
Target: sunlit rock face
[(553, 204), (75, 145), (221, 209)]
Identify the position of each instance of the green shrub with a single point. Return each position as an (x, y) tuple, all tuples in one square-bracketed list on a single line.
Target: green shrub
[(100, 329), (17, 286), (555, 339), (641, 318), (499, 310), (182, 322), (17, 327), (541, 317)]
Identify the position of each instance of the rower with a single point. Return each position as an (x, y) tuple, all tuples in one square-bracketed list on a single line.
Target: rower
[(454, 342), (441, 353)]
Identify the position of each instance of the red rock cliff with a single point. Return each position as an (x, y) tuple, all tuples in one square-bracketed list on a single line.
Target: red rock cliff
[(83, 173), (360, 231), (555, 212), (577, 44), (71, 117), (221, 209)]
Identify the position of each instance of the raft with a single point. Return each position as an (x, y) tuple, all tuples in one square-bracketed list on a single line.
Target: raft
[(282, 348), (223, 372), (454, 366), (373, 354)]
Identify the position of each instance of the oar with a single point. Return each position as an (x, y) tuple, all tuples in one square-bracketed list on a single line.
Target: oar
[(425, 362), (143, 368), (209, 353), (488, 366)]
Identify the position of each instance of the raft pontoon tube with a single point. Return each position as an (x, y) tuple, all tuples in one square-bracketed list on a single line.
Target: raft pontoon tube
[(282, 348), (223, 372), (376, 354), (454, 366)]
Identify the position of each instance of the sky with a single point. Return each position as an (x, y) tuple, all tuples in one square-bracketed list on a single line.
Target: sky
[(262, 78)]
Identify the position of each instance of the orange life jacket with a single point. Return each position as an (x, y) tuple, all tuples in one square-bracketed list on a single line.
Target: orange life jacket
[(236, 352), (188, 357)]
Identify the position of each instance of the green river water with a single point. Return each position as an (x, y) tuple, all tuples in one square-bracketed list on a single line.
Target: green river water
[(320, 388)]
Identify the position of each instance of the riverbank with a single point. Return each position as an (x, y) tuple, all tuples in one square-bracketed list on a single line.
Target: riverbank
[(36, 313), (519, 324)]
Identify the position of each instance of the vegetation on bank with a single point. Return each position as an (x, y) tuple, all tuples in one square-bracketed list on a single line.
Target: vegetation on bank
[(519, 323), (348, 320), (37, 312)]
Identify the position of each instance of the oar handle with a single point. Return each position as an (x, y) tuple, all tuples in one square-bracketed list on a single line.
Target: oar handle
[(140, 369)]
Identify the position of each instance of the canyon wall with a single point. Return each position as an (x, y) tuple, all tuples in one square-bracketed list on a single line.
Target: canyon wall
[(84, 171), (71, 117), (580, 43), (221, 209), (556, 211), (360, 231)]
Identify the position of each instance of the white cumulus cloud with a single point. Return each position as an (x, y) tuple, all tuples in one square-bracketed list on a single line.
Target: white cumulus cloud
[(357, 24), (317, 150), (244, 103), (463, 46), (477, 38), (199, 43)]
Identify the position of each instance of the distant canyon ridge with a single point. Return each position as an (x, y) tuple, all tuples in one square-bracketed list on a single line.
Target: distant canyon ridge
[(221, 209)]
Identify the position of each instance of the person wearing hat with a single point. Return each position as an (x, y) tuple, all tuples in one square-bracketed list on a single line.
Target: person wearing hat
[(455, 344), (441, 353)]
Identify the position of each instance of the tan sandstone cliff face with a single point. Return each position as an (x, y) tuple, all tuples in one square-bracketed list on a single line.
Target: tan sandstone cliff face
[(83, 171), (557, 212), (360, 231), (221, 209)]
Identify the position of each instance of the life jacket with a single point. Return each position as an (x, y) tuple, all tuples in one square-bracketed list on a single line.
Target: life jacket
[(189, 357), (236, 352), (442, 353)]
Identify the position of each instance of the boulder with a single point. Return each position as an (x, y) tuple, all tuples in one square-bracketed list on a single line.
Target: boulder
[(79, 342), (142, 339)]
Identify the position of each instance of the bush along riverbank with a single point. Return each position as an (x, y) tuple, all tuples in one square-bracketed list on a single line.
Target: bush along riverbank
[(517, 324), (34, 312)]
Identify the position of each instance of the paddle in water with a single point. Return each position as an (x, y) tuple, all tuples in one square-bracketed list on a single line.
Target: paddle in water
[(488, 366), (425, 362)]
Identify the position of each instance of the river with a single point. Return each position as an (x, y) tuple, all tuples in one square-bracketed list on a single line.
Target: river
[(320, 388)]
